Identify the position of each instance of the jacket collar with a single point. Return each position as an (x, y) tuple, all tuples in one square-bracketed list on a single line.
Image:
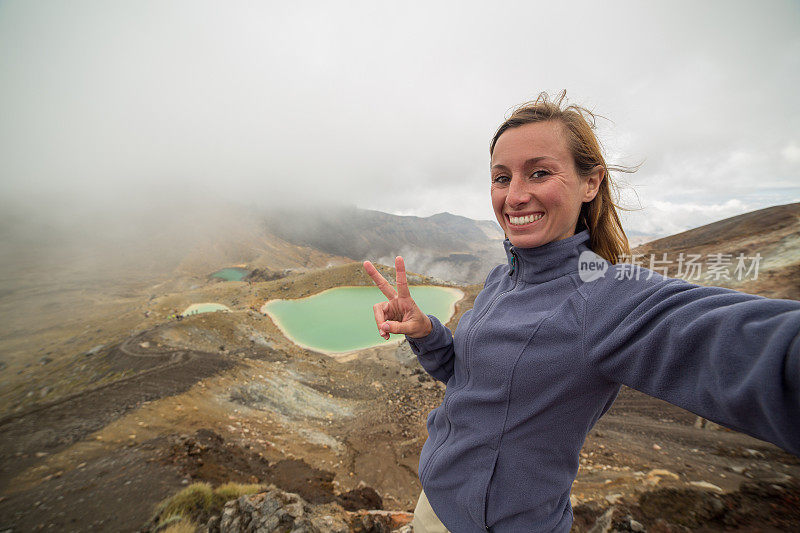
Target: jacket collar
[(546, 262)]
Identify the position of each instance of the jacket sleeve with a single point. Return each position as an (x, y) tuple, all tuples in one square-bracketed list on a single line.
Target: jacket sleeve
[(435, 352), (731, 357)]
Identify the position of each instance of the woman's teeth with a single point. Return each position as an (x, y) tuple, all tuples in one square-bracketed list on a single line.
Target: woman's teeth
[(519, 221)]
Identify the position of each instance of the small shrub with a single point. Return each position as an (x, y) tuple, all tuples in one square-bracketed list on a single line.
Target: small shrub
[(231, 491), (193, 501), (181, 526), (198, 502)]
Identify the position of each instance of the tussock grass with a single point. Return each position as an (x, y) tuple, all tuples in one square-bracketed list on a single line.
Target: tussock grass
[(231, 491), (196, 504), (181, 526)]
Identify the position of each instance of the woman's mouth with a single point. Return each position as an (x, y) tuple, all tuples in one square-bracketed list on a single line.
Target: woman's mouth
[(526, 220)]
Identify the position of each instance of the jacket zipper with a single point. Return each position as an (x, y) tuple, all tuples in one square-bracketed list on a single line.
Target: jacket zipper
[(515, 269)]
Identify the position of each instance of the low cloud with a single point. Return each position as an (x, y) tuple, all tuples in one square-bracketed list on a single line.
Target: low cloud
[(389, 110), (661, 218)]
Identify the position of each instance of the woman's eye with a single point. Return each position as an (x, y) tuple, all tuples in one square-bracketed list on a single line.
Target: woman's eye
[(540, 174), (500, 179)]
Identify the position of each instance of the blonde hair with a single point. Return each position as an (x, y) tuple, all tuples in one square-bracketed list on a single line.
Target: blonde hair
[(606, 236)]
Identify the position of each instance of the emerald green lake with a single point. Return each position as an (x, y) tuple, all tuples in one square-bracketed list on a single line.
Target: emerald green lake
[(341, 320)]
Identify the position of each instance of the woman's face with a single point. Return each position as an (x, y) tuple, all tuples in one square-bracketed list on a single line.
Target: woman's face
[(536, 190)]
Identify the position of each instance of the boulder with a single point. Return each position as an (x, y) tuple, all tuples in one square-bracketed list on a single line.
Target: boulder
[(278, 511)]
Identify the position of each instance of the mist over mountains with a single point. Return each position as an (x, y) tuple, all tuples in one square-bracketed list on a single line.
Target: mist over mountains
[(444, 245), (189, 241), (194, 239)]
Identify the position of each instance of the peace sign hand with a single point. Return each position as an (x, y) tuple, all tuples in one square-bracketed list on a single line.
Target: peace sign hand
[(399, 314)]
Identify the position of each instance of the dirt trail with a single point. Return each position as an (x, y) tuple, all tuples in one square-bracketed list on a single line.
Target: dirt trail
[(50, 427), (70, 465)]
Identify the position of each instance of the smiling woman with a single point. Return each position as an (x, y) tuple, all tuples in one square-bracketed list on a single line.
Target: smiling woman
[(536, 191), (548, 173), (557, 331)]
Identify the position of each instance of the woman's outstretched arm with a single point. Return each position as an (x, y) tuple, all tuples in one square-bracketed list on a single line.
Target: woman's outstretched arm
[(731, 357)]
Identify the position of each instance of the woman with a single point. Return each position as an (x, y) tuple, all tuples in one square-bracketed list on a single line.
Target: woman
[(544, 351)]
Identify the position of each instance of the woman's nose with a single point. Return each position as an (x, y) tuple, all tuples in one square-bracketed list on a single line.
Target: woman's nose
[(517, 193)]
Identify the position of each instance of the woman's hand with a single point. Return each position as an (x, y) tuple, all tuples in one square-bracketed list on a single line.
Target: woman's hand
[(400, 313)]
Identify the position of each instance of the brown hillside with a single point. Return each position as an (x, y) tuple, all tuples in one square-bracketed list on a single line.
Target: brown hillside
[(773, 233)]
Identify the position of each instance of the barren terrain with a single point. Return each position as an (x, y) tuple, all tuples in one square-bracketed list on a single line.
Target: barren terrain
[(109, 404)]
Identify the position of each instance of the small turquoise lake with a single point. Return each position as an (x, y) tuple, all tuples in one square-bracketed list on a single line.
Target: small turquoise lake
[(341, 320)]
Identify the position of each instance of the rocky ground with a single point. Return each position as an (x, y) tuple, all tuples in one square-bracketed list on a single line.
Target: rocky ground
[(95, 438)]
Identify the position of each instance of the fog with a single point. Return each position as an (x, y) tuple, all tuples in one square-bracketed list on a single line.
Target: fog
[(119, 113)]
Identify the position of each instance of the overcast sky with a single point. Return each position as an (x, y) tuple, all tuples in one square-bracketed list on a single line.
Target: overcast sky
[(391, 106)]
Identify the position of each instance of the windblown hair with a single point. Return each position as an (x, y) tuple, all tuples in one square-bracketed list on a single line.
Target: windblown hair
[(606, 236)]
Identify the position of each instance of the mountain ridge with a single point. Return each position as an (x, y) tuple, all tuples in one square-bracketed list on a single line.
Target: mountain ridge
[(772, 234)]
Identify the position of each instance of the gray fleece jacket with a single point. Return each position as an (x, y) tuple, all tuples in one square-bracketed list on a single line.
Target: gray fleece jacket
[(541, 357)]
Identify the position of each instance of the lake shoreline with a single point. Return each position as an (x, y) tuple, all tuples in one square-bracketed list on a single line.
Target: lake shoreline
[(340, 354)]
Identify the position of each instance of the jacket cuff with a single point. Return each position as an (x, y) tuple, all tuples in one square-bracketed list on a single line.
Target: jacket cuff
[(439, 337)]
